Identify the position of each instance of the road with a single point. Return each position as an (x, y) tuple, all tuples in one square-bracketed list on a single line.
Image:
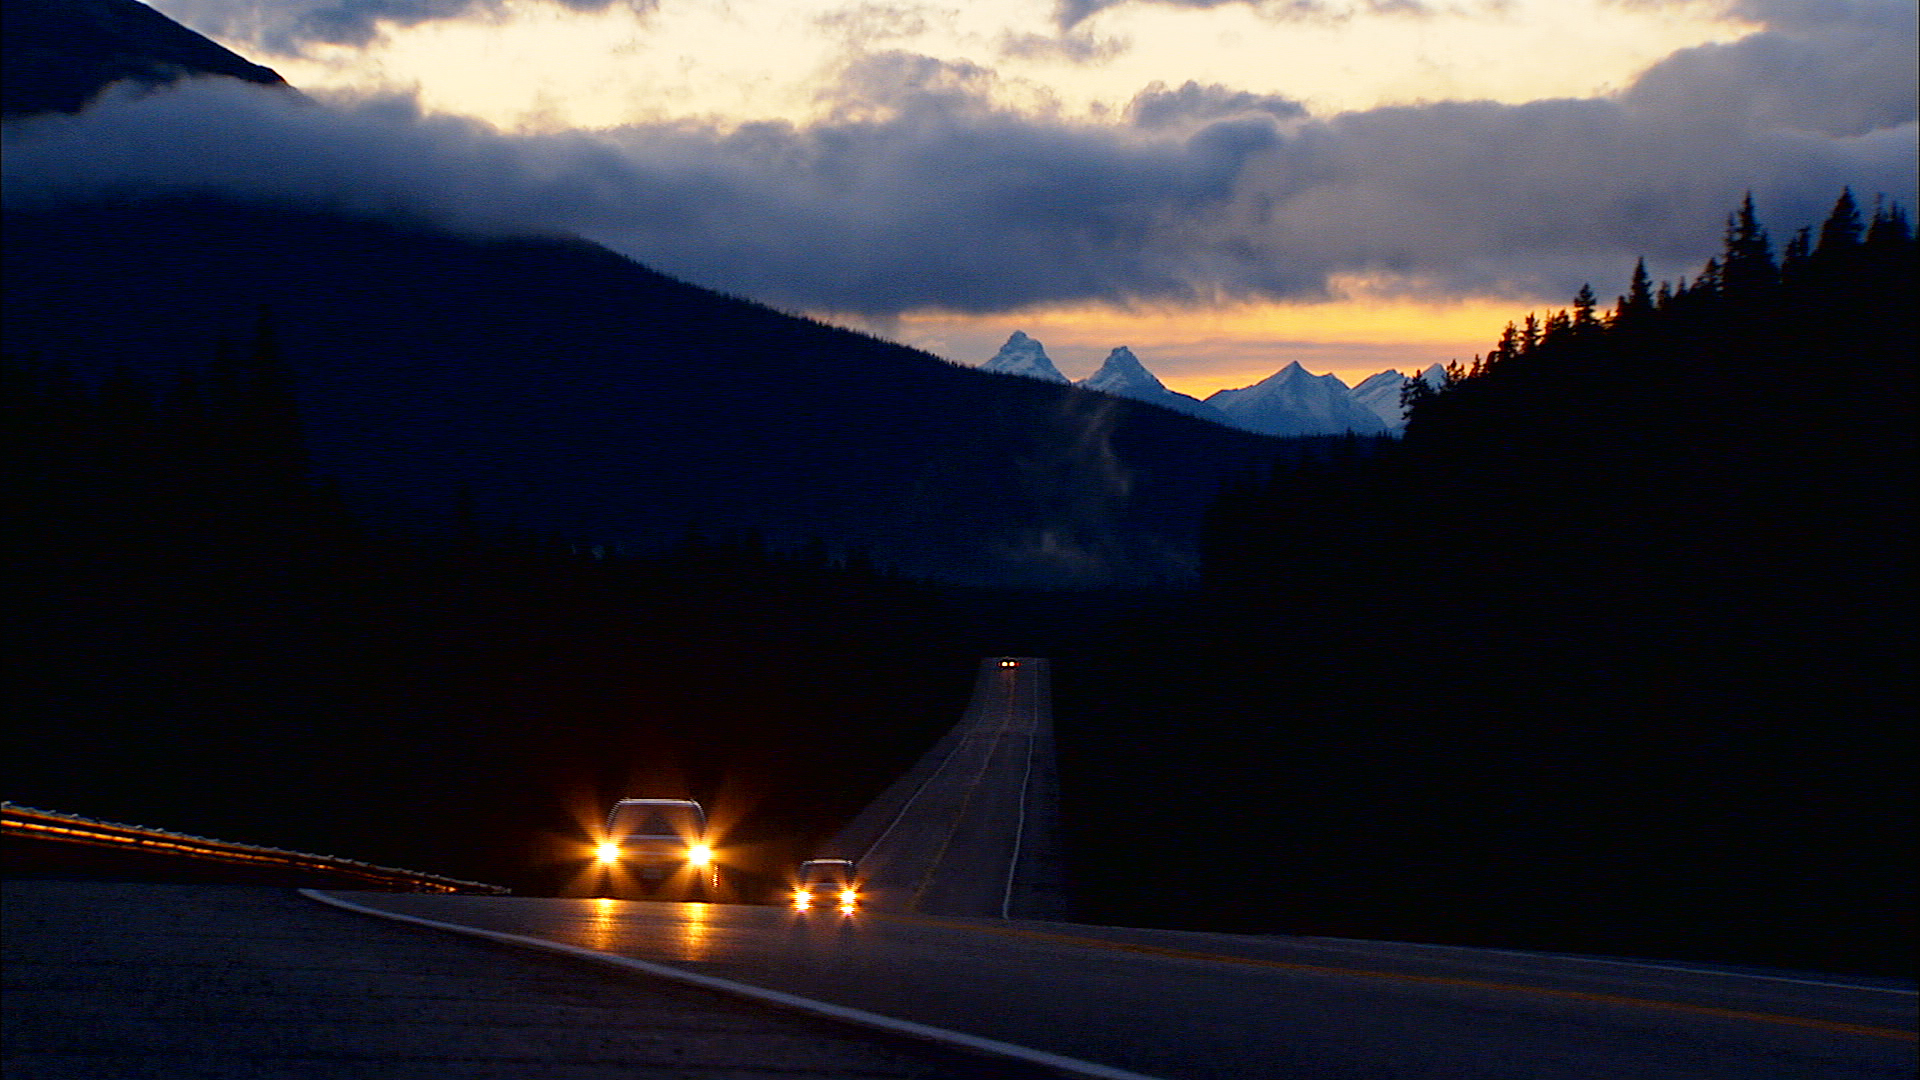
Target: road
[(110, 980), (973, 829), (953, 947), (1217, 1006)]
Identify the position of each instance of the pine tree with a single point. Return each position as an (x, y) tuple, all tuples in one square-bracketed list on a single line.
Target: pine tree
[(1638, 304), (1412, 393), (1583, 304), (1748, 269), (1841, 232), (1794, 258), (1889, 229)]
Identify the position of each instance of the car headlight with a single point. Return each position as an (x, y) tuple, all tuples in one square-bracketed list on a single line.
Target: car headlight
[(848, 896), (699, 854), (608, 851)]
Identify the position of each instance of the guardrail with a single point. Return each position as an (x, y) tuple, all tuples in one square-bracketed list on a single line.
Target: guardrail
[(28, 823)]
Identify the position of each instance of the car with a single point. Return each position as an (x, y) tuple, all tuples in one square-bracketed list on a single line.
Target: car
[(826, 881), (1009, 662), (658, 848)]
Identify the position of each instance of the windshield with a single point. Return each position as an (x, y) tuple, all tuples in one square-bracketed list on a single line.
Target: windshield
[(825, 873), (657, 819)]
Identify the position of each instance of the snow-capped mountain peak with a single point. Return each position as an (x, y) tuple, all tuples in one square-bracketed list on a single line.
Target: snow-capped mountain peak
[(1022, 355), (1124, 374), (1381, 393), (1294, 401)]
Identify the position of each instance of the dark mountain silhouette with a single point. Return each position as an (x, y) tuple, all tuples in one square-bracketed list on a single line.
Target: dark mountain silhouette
[(571, 391), (575, 392), (60, 53)]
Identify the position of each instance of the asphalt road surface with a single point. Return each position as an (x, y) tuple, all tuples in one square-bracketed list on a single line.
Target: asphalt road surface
[(111, 980), (973, 828), (1186, 1005)]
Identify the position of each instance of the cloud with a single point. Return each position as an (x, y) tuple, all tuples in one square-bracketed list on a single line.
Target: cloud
[(926, 189), (859, 25), (289, 27), (1825, 66), (1156, 106), (1073, 47), (1070, 13)]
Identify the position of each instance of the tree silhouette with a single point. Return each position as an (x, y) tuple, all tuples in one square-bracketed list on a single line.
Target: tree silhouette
[(1840, 233)]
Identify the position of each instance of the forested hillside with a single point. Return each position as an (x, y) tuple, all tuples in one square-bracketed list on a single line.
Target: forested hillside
[(204, 639), (1613, 654)]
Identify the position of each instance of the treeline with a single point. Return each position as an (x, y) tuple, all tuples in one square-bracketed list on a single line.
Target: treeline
[(1610, 655), (207, 639)]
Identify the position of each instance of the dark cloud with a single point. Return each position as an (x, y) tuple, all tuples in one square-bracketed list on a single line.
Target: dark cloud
[(1836, 67), (924, 190), (1801, 16), (288, 27), (1157, 106)]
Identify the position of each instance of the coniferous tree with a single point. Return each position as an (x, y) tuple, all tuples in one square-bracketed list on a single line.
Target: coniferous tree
[(1889, 229), (1842, 230), (1583, 304), (1637, 305), (1748, 269)]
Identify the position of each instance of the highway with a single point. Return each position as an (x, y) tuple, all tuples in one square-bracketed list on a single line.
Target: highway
[(973, 828), (961, 871), (1204, 1006), (958, 964)]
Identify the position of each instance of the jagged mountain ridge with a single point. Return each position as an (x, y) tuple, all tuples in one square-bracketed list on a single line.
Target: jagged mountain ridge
[(573, 392), (576, 392), (61, 53), (1293, 401), (1290, 403), (1381, 393), (1123, 375), (1022, 355)]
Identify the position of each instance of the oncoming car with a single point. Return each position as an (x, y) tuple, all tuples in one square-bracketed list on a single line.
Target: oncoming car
[(658, 847), (826, 881)]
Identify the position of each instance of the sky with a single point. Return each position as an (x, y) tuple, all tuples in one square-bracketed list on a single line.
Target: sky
[(1225, 186)]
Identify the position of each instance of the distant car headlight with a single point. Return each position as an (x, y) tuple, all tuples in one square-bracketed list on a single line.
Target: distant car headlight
[(608, 852), (699, 854)]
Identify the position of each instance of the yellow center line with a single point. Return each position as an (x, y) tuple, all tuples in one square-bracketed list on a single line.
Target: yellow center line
[(927, 880), (1430, 980)]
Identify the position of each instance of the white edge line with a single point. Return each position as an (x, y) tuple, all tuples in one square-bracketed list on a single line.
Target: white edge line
[(1639, 964), (1020, 823), (985, 674), (891, 1025)]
